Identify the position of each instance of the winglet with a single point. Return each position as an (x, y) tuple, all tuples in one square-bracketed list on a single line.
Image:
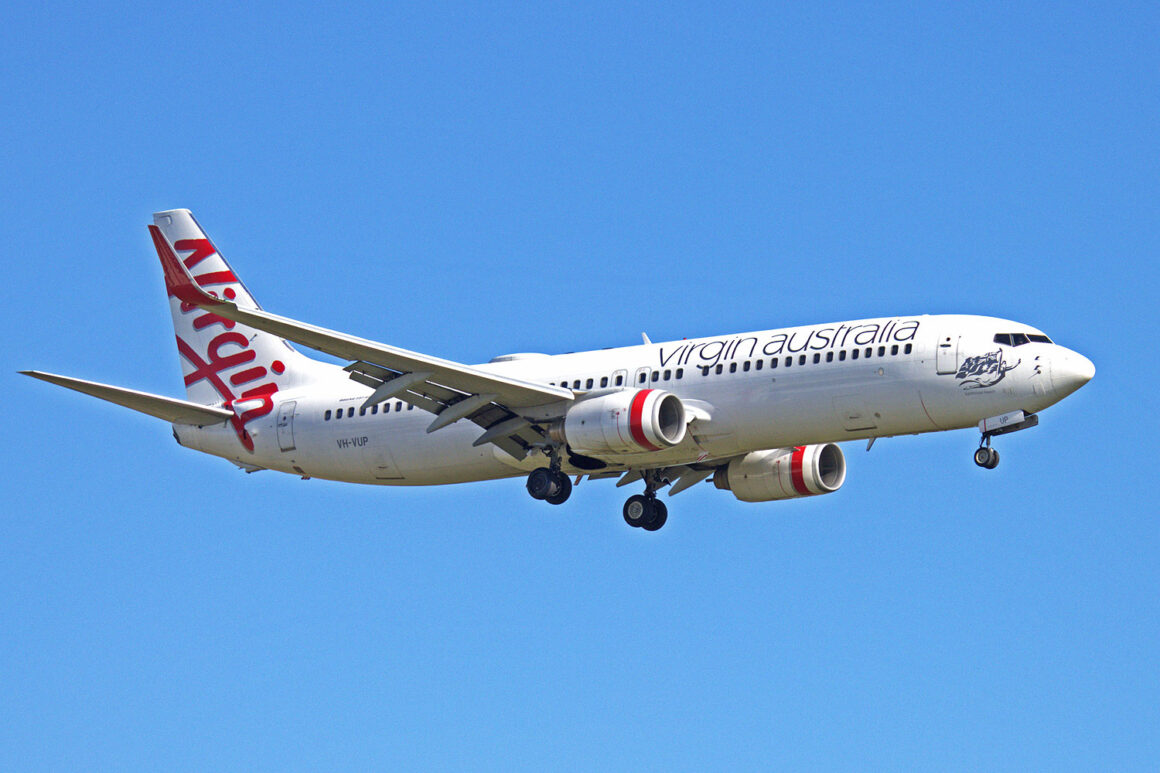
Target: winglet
[(177, 278)]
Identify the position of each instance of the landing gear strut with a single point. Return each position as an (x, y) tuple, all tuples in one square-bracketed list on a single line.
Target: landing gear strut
[(645, 510), (550, 484)]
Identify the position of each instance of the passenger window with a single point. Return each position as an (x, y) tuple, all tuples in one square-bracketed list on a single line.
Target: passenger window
[(362, 411), (757, 365), (576, 384), (704, 370), (680, 373), (894, 350), (603, 381), (745, 366), (350, 412), (773, 363), (656, 374), (854, 354), (410, 406), (829, 356), (908, 348), (732, 367), (869, 352), (374, 409), (801, 359), (817, 358), (326, 416), (788, 361), (386, 407), (719, 369), (668, 375), (881, 351), (398, 406), (841, 355), (620, 380), (642, 378), (588, 384)]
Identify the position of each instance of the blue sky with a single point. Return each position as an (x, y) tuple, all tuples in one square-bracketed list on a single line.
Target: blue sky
[(473, 180)]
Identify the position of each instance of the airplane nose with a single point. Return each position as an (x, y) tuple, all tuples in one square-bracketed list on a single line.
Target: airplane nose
[(1070, 372)]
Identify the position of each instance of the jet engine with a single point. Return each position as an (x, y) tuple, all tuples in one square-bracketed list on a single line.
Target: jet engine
[(784, 473), (625, 422)]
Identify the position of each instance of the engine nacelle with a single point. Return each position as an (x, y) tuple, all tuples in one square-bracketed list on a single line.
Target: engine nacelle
[(784, 473), (626, 422)]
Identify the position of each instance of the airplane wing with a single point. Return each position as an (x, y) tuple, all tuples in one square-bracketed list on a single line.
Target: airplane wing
[(449, 389), (168, 408)]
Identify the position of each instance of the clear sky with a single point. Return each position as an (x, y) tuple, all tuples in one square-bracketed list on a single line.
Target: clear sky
[(470, 180)]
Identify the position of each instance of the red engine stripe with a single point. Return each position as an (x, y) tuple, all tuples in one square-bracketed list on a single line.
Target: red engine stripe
[(799, 479), (636, 418)]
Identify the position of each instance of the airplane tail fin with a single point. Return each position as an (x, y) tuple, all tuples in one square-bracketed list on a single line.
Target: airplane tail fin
[(222, 361)]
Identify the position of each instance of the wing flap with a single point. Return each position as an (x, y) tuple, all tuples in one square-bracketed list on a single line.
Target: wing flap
[(168, 408)]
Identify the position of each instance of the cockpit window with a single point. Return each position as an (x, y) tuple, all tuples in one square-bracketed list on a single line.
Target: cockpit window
[(1018, 339)]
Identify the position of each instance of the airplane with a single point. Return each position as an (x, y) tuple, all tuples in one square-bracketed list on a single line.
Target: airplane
[(759, 414)]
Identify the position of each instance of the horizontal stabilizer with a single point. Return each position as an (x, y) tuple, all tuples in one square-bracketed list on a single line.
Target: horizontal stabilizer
[(168, 408)]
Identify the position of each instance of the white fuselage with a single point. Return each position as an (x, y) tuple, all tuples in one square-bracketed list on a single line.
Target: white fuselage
[(746, 392)]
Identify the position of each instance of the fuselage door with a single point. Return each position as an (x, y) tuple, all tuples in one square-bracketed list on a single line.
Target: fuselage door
[(286, 425), (947, 355)]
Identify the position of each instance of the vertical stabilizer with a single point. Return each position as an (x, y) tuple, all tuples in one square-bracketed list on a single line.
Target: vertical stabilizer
[(224, 362)]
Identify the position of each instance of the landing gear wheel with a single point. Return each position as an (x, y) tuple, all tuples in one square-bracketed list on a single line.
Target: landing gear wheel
[(544, 483), (660, 514), (987, 457), (636, 510), (563, 489)]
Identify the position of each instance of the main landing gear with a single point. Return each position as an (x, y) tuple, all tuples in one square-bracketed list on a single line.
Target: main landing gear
[(645, 510), (550, 484)]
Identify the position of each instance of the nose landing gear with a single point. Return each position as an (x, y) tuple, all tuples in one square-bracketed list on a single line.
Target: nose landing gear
[(987, 457)]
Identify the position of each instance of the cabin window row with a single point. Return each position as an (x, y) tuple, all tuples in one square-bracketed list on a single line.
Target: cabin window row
[(882, 351), (618, 379), (373, 410)]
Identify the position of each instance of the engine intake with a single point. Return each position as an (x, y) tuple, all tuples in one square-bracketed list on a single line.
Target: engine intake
[(784, 473), (626, 422)]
